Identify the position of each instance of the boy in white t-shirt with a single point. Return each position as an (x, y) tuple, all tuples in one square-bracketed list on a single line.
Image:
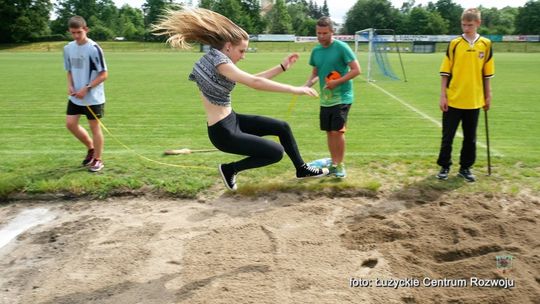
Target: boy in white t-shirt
[(86, 71)]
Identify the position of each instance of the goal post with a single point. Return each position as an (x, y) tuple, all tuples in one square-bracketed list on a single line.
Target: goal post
[(378, 49)]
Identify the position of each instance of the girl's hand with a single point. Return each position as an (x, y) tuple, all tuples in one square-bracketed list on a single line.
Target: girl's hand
[(305, 91), (288, 61)]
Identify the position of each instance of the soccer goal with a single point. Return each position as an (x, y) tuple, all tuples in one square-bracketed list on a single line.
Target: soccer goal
[(379, 46)]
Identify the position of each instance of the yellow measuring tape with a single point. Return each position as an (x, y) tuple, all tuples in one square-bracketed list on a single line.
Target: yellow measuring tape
[(292, 104), (138, 154)]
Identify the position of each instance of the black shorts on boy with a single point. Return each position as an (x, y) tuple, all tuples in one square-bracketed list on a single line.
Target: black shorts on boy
[(73, 109), (334, 118)]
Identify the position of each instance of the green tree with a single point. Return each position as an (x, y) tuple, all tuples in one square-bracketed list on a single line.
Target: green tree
[(324, 9), (96, 12), (232, 9), (314, 10), (528, 19), (424, 22), (302, 23), (450, 12), (207, 4), (417, 21), (245, 13), (65, 9), (506, 24), (279, 19), (23, 20), (309, 27), (437, 25), (108, 13), (252, 10), (299, 14), (153, 10), (498, 22), (99, 32), (407, 6), (131, 23), (371, 14)]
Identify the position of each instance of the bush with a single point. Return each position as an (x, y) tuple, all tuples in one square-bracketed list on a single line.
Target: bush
[(100, 33), (53, 37)]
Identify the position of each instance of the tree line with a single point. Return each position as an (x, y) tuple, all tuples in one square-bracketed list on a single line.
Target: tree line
[(441, 18), (30, 20)]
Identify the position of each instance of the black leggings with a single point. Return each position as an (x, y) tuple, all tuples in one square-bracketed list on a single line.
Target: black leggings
[(241, 134)]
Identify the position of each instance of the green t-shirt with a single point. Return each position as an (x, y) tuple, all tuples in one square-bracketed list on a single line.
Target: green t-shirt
[(335, 57)]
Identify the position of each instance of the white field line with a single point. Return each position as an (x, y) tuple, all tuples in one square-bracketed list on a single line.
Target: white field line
[(22, 222), (425, 116)]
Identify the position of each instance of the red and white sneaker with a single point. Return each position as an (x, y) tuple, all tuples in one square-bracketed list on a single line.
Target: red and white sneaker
[(96, 165)]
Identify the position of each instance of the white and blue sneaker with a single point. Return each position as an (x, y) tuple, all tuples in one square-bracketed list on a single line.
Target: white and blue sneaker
[(338, 170), (321, 163)]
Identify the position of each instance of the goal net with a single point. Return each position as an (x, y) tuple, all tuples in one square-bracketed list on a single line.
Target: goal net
[(379, 65)]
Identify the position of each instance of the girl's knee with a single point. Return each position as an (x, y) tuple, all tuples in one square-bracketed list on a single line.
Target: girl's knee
[(285, 126), (277, 154)]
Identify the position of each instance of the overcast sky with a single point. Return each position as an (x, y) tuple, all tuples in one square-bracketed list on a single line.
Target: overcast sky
[(338, 8)]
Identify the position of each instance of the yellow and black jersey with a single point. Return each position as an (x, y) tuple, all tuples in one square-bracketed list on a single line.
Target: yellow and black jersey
[(467, 65)]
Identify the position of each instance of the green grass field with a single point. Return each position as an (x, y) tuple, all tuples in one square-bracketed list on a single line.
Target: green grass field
[(152, 107)]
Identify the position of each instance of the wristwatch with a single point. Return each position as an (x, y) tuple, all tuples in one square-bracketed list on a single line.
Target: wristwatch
[(89, 87)]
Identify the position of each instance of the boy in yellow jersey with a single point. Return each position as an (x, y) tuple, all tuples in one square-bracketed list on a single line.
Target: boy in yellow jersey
[(465, 88)]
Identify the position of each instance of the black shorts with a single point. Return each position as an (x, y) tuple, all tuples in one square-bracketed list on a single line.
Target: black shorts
[(73, 109), (334, 118)]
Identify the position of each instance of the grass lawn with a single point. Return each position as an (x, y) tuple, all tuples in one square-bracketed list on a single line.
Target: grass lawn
[(392, 141)]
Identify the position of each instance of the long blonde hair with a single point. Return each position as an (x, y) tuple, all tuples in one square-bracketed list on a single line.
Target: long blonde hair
[(198, 25)]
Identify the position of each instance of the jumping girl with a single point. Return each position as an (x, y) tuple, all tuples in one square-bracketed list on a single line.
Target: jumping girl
[(216, 74)]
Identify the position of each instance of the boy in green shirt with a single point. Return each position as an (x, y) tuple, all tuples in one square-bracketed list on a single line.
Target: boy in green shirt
[(334, 65)]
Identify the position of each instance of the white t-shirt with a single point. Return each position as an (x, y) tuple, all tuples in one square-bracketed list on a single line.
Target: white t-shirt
[(85, 62)]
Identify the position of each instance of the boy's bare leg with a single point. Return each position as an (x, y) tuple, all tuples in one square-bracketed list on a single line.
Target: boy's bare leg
[(336, 146), (72, 124), (97, 135)]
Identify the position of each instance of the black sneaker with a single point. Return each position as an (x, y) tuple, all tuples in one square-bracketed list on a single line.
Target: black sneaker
[(306, 171), (89, 158), (467, 175), (229, 176), (443, 174)]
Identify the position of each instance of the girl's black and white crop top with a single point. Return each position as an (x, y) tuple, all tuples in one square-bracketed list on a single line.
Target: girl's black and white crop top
[(214, 86)]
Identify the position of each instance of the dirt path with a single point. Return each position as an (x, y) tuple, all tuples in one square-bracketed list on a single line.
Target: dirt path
[(285, 249)]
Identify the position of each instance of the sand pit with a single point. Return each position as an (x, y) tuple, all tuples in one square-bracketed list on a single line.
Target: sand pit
[(289, 248)]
